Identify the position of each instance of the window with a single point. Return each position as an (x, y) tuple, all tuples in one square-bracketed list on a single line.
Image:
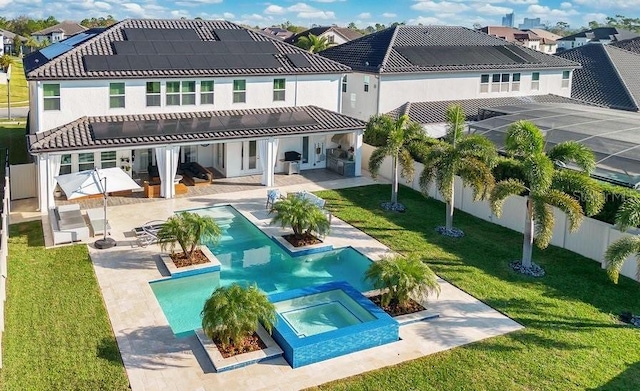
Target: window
[(116, 95), (153, 93), (495, 82), (366, 83), (504, 85), (515, 82), (535, 81), (239, 91), (108, 159), (278, 89), (331, 39), (305, 149), (344, 83), (484, 83), (188, 93), (51, 96), (206, 92), (565, 79), (190, 153), (65, 164), (86, 161), (173, 93)]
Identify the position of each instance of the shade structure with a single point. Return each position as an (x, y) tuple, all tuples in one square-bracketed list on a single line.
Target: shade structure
[(91, 182), (97, 181)]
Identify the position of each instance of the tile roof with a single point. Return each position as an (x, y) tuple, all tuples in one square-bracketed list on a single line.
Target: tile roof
[(72, 64), (9, 35), (609, 76), (66, 27), (435, 112), (602, 33), (347, 33), (419, 49), (632, 44), (81, 134)]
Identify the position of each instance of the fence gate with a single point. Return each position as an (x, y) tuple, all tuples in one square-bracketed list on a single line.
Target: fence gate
[(23, 181)]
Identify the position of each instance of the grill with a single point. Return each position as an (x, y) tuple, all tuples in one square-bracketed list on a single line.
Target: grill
[(291, 156)]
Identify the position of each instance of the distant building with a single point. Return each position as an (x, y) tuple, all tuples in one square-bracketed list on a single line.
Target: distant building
[(526, 38), (58, 32), (277, 32), (507, 20), (7, 38), (601, 35), (531, 23), (335, 35)]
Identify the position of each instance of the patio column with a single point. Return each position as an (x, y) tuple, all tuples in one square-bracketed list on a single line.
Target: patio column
[(357, 151), (268, 150), (48, 169), (167, 161)]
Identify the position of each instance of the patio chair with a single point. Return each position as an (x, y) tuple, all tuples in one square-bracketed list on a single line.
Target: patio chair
[(273, 195), (148, 233)]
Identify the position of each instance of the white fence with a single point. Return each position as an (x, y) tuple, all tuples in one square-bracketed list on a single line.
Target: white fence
[(590, 240), (4, 248), (24, 181)]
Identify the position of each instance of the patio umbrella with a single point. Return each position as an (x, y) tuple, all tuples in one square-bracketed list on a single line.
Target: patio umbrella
[(97, 181)]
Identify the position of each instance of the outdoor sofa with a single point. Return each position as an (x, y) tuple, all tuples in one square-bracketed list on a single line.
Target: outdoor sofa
[(68, 224)]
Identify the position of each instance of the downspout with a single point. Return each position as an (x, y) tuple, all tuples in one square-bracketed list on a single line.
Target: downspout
[(340, 92), (48, 171), (379, 79), (295, 95)]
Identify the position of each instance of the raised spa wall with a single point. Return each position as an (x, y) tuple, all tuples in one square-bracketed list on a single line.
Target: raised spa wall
[(300, 351)]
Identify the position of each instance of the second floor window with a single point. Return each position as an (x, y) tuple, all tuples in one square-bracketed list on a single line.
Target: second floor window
[(65, 164), (206, 92), (279, 89), (116, 95), (495, 82), (153, 93), (344, 83), (565, 79), (504, 85), (367, 80), (188, 93), (484, 83), (173, 93), (535, 81), (239, 91), (51, 96)]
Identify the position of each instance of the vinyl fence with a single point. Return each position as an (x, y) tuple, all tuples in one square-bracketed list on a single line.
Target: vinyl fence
[(4, 249), (590, 240)]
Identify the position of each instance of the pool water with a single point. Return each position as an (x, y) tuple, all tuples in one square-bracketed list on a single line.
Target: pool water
[(249, 256)]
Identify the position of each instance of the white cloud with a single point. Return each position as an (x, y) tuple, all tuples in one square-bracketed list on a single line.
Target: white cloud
[(324, 15), (566, 5), (544, 12), (364, 15), (275, 10), (597, 16), (301, 7), (443, 6), (389, 15), (428, 20), (489, 9)]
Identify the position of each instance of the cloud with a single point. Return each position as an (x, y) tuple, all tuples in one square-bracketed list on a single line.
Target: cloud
[(443, 6), (275, 10), (544, 12), (364, 15), (489, 9), (301, 7), (324, 15), (389, 15), (425, 20), (302, 10)]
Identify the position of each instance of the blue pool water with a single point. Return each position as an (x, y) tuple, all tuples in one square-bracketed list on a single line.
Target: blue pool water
[(249, 256)]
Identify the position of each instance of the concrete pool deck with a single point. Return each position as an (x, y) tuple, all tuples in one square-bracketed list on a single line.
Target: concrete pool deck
[(156, 360)]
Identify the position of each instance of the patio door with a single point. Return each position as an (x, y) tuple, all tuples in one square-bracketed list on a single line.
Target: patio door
[(313, 152), (219, 152), (250, 161)]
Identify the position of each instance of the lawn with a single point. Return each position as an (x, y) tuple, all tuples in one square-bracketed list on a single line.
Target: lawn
[(19, 91), (572, 339), (57, 333)]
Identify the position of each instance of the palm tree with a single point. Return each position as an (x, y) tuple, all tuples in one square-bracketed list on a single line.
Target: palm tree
[(402, 136), (401, 278), (468, 156), (312, 43), (188, 230), (547, 186), (232, 313), (301, 215), (628, 216)]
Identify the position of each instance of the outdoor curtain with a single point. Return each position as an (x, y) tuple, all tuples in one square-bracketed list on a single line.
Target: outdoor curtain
[(54, 163), (167, 159), (267, 148)]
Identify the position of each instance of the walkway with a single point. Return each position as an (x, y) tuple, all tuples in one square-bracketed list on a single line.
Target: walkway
[(156, 360)]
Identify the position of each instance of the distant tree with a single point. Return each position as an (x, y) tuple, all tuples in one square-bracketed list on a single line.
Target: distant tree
[(379, 26), (369, 30), (98, 22), (291, 27), (32, 44), (560, 28), (594, 25), (477, 26), (624, 22), (17, 45), (313, 43)]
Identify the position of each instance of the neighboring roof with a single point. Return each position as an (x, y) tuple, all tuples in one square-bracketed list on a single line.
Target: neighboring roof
[(435, 112), (141, 48), (420, 49), (278, 32), (9, 35), (612, 135), (602, 34), (509, 33), (609, 76), (545, 34), (178, 128), (632, 44), (346, 33), (67, 27)]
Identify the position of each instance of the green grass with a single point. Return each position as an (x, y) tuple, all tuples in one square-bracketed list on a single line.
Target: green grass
[(57, 334), (572, 339), (19, 90)]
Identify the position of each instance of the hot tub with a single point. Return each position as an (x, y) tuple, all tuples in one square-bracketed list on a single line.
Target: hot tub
[(326, 321)]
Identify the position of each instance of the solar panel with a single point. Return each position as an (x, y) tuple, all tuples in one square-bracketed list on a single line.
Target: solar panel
[(198, 62), (33, 60), (154, 34), (118, 63), (181, 48), (299, 60), (162, 47), (150, 34), (158, 62), (235, 61), (53, 51), (95, 63), (233, 35), (134, 34), (459, 55), (124, 47), (138, 63), (144, 47), (77, 39), (217, 62), (178, 62), (261, 61)]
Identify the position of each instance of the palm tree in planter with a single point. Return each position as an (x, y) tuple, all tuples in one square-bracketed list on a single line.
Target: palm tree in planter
[(231, 314), (187, 230), (303, 217), (546, 186), (403, 136), (628, 216), (400, 278), (471, 157)]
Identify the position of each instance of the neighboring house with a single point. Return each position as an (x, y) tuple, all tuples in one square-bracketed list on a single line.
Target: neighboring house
[(58, 32), (433, 115), (434, 63), (158, 93), (609, 76), (525, 38), (632, 44), (8, 39), (278, 32), (601, 35), (335, 35)]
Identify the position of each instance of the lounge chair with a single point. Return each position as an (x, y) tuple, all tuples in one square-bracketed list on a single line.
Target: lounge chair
[(148, 233), (273, 195)]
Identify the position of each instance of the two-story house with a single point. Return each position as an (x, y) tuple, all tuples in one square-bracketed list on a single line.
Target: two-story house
[(159, 93), (599, 35), (440, 63), (58, 32), (526, 38)]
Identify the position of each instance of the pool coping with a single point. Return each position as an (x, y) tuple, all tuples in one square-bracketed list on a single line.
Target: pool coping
[(213, 266), (300, 251), (415, 317), (222, 364)]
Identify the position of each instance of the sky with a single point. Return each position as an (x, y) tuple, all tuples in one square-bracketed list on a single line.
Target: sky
[(326, 12)]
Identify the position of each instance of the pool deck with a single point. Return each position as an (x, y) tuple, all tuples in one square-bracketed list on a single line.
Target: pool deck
[(156, 360)]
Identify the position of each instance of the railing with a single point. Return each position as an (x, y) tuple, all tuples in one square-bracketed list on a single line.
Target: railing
[(4, 245)]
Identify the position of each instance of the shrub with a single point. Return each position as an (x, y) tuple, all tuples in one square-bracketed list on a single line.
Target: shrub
[(301, 215), (188, 230)]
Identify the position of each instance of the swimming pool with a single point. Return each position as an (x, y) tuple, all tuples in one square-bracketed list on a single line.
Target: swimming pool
[(249, 256)]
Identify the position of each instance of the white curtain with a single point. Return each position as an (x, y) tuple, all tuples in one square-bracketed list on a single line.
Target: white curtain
[(174, 159), (275, 143), (54, 170), (167, 159), (262, 155)]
